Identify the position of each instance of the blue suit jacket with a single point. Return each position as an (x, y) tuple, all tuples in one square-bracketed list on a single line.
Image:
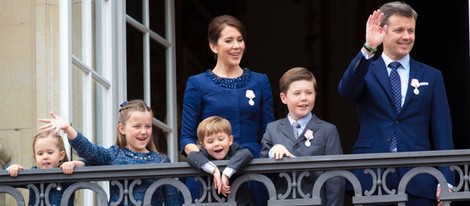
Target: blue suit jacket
[(424, 122)]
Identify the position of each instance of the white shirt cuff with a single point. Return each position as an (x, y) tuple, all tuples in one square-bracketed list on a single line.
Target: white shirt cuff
[(228, 172), (270, 153), (365, 54), (209, 167), (448, 185)]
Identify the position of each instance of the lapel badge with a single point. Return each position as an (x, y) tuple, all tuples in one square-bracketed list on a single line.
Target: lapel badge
[(308, 136), (250, 95), (416, 84)]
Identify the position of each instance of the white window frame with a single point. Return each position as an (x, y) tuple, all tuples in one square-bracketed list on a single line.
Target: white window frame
[(111, 19), (169, 43), (110, 55), (104, 62)]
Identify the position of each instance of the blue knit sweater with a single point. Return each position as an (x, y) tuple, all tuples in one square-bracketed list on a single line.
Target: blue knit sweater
[(94, 155)]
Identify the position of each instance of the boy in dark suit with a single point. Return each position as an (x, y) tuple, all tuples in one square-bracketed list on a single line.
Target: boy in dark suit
[(215, 137), (302, 133)]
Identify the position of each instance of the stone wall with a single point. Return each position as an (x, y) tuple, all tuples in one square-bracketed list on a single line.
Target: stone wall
[(29, 75)]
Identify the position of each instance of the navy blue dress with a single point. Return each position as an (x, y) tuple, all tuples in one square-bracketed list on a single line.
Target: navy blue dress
[(246, 102), (207, 95)]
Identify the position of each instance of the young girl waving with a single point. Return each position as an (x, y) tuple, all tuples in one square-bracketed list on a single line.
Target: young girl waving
[(49, 152), (134, 145)]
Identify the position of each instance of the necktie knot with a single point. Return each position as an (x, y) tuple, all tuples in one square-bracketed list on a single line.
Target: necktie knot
[(296, 125), (295, 128), (394, 65)]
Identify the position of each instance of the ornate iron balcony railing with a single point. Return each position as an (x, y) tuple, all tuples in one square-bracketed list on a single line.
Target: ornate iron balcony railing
[(378, 166)]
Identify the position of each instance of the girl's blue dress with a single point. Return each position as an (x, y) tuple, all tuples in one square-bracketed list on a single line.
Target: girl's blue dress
[(96, 155)]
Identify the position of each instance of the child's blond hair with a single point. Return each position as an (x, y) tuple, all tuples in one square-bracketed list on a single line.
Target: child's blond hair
[(124, 113), (213, 125), (58, 139)]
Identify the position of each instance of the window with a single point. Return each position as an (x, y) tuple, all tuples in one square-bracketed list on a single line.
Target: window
[(88, 85), (151, 66), (112, 51)]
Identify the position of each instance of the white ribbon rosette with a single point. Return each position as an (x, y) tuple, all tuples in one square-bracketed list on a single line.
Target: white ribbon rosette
[(416, 84), (309, 136), (250, 95)]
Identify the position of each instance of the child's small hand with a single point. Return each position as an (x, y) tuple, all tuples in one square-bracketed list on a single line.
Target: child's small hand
[(14, 169), (438, 194), (56, 123), (279, 151), (217, 180), (67, 167), (225, 185)]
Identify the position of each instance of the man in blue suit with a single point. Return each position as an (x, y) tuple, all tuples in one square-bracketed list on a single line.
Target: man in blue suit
[(402, 103)]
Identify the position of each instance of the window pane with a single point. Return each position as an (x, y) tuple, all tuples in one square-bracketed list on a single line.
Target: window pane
[(157, 17), (80, 43), (77, 106), (99, 93), (77, 100), (77, 28), (134, 9), (158, 90), (135, 67), (158, 80)]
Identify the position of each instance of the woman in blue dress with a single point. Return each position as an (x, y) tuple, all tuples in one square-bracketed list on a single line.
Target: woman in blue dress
[(238, 94)]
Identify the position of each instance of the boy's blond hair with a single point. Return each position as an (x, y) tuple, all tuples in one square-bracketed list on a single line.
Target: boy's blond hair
[(213, 125), (296, 74)]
